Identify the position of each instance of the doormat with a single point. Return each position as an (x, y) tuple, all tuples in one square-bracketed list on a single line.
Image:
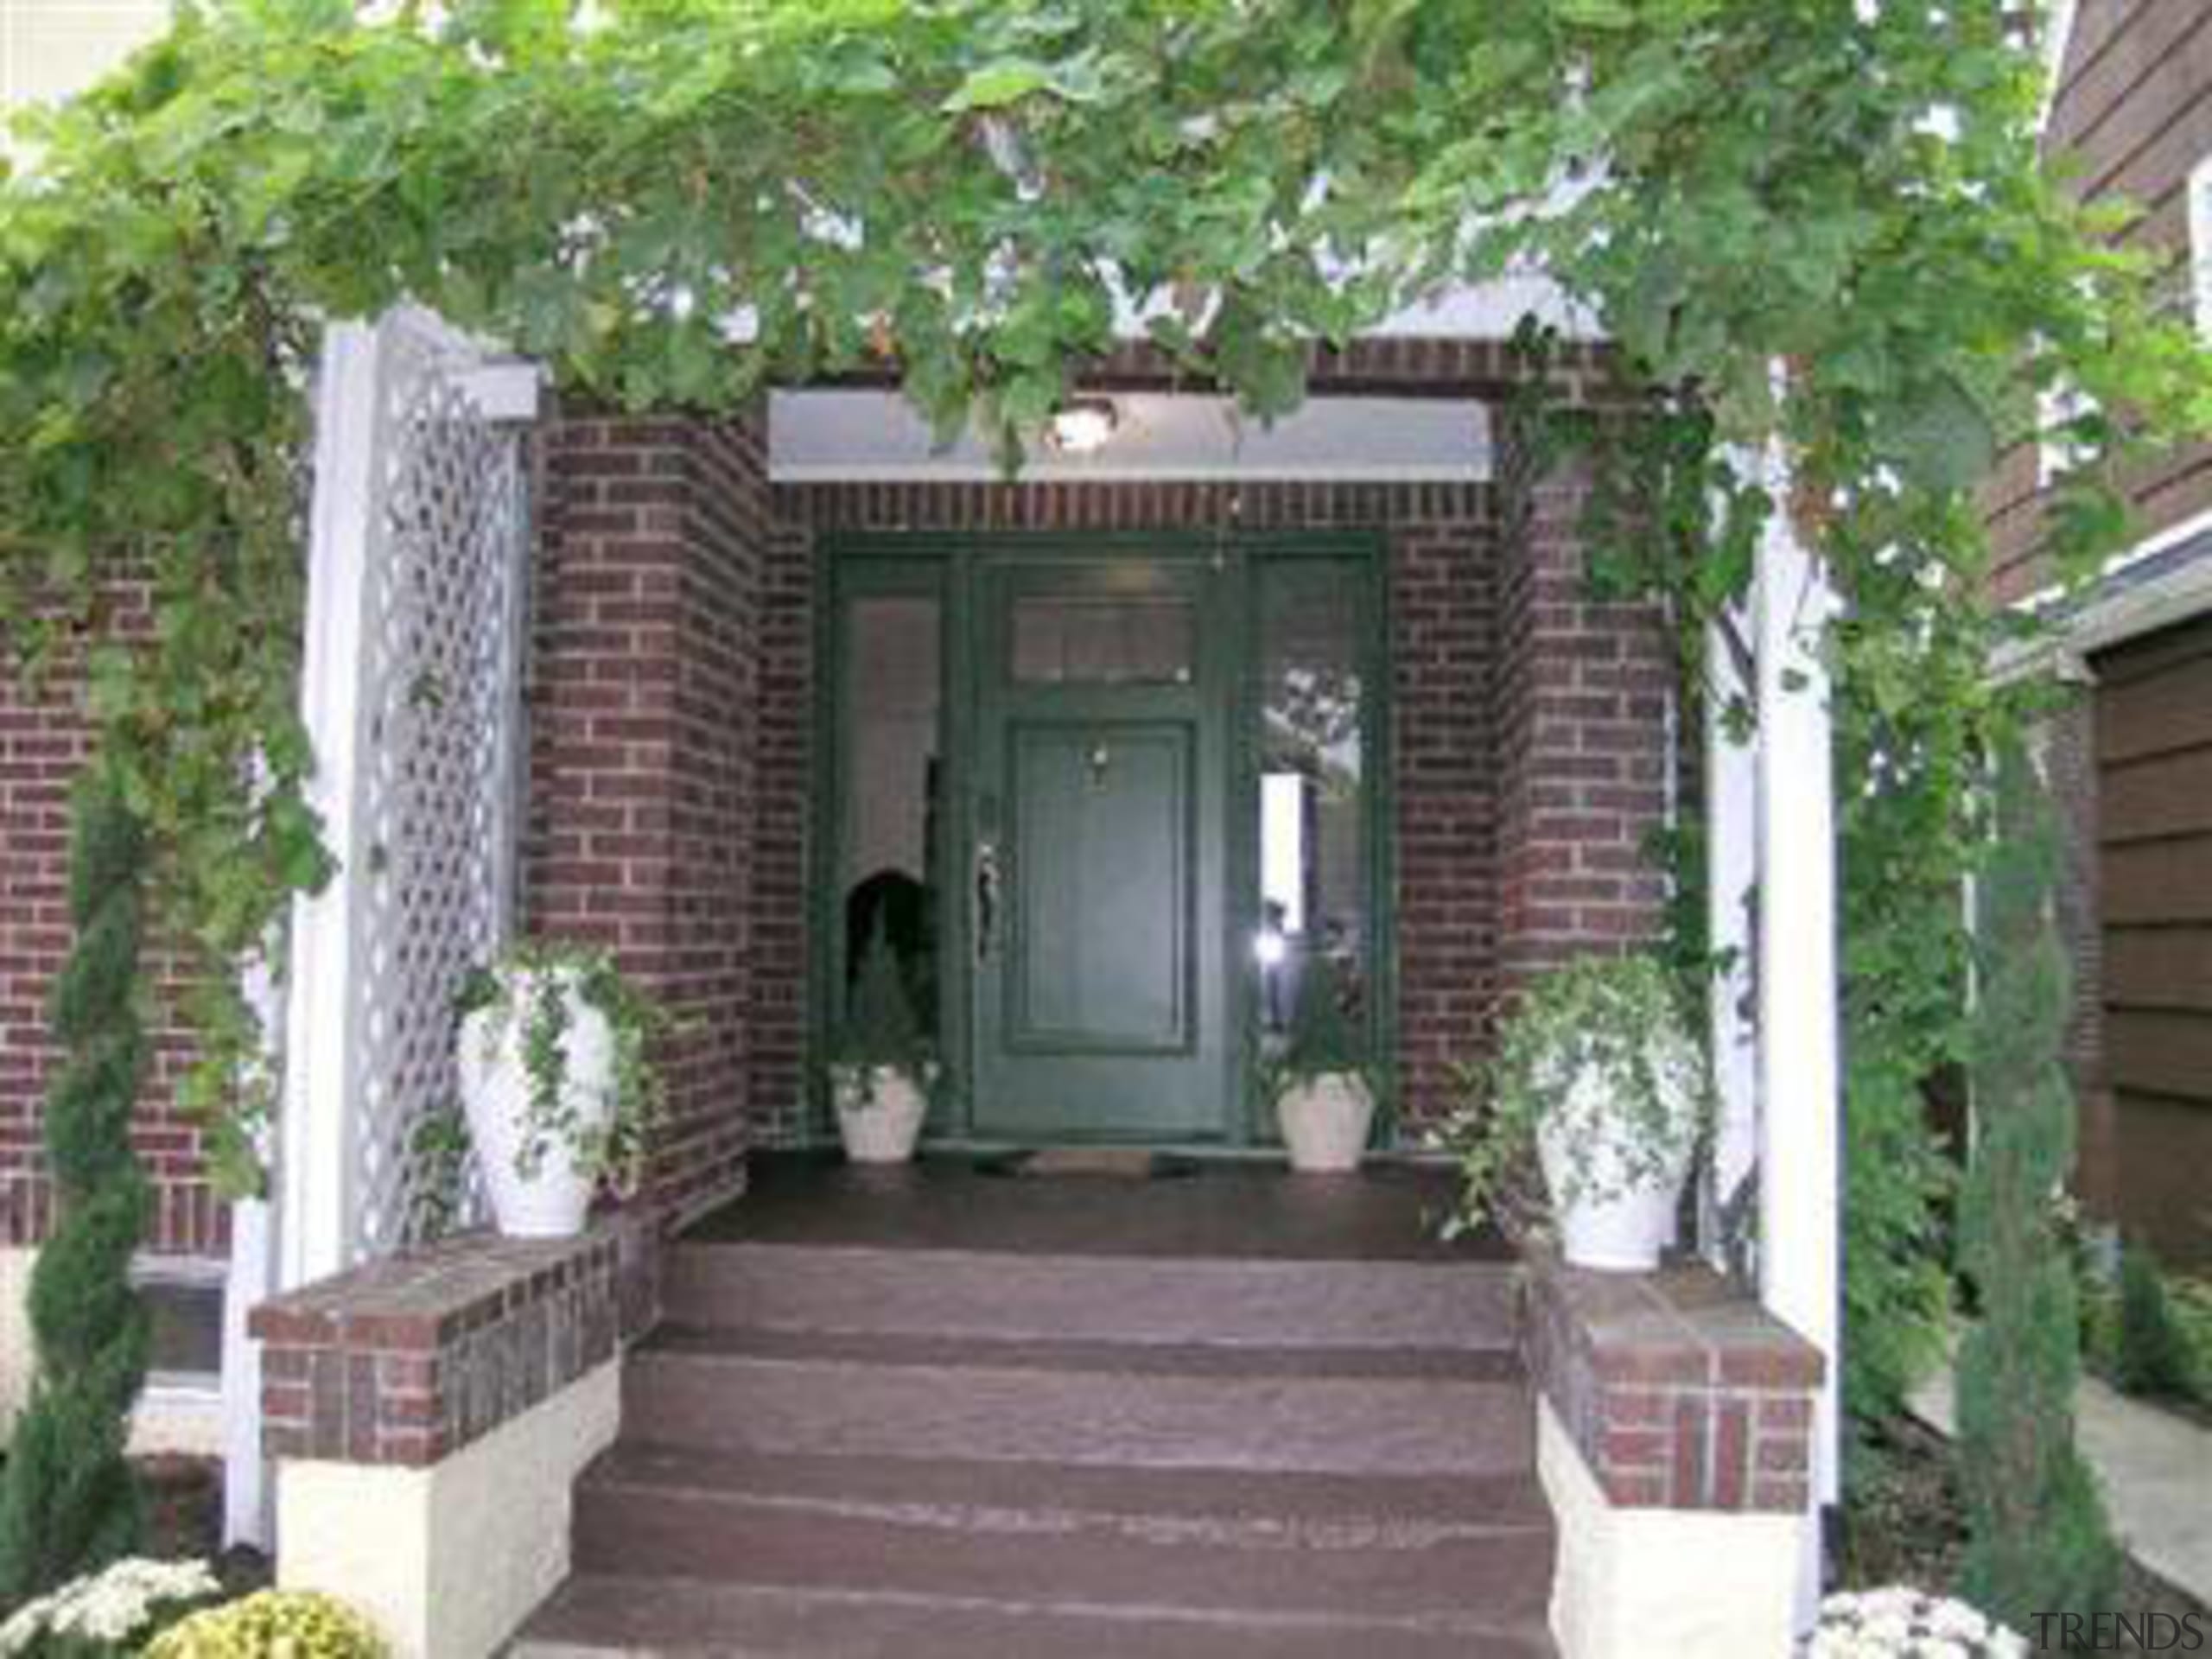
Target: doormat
[(1109, 1163)]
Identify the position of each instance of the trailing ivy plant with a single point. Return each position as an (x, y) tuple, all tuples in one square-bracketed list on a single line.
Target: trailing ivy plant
[(1603, 1038), (533, 983), (1809, 226)]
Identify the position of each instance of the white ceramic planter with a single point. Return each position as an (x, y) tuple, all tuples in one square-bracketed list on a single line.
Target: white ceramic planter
[(1325, 1121), (881, 1122), (1624, 1233), (553, 1200)]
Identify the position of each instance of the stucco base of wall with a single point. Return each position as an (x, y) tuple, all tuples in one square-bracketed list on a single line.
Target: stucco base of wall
[(448, 1559), (176, 1419), (1661, 1584), (184, 1421), (15, 1334)]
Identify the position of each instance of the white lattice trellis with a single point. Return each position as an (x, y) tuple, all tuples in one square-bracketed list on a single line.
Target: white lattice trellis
[(439, 650), (421, 540)]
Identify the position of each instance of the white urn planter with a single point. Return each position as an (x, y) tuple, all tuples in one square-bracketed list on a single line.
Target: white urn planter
[(1326, 1120), (531, 1171), (879, 1112), (1615, 1193)]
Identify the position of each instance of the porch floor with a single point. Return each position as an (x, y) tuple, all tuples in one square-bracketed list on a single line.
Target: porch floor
[(1222, 1207)]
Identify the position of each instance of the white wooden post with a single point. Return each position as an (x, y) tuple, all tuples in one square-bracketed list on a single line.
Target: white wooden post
[(1732, 874), (245, 1286), (1799, 1072), (313, 1165), (300, 1234)]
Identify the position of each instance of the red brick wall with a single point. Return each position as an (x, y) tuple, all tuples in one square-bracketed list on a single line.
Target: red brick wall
[(1443, 559), (783, 820), (1583, 692), (643, 701), (43, 739)]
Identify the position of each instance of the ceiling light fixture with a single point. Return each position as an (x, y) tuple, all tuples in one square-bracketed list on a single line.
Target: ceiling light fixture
[(1084, 426)]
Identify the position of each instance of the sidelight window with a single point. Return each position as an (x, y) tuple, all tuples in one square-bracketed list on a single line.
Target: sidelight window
[(892, 791), (1314, 778)]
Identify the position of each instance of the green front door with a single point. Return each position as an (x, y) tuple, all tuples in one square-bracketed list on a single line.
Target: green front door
[(1096, 928)]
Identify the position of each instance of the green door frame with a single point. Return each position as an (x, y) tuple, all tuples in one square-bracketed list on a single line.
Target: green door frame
[(948, 566)]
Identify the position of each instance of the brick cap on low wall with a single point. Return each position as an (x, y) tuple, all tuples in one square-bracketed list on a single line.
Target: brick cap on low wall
[(1678, 1388), (407, 1359)]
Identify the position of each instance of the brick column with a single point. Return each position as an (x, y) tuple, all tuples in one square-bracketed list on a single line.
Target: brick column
[(1442, 647), (784, 836), (643, 747), (1675, 1431), (1582, 693)]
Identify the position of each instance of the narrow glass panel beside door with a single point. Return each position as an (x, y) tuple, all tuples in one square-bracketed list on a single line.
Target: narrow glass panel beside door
[(1314, 857), (892, 791)]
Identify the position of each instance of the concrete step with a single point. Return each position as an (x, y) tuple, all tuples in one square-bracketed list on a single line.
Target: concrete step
[(1191, 1540), (1335, 1410), (1268, 1303), (596, 1616)]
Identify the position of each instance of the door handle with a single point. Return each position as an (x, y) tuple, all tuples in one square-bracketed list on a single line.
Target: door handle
[(987, 897)]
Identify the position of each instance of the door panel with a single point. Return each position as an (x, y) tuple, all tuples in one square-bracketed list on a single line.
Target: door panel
[(1099, 934), (1099, 1007)]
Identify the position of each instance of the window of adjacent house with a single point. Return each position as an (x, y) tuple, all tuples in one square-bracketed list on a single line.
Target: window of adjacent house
[(184, 1310), (2058, 451)]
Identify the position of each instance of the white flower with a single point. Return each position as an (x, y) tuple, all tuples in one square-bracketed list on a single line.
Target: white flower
[(1957, 1620), (1902, 1623), (111, 1605)]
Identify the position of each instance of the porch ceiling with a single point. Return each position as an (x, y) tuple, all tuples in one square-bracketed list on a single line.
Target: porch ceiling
[(821, 435)]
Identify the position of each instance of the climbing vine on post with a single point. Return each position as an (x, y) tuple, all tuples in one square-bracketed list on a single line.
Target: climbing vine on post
[(68, 1501)]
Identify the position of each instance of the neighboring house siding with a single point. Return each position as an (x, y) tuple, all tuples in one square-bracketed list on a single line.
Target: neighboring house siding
[(2132, 119), (2067, 747), (2154, 831)]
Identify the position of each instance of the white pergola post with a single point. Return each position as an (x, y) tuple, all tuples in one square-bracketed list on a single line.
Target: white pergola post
[(1732, 875), (417, 469), (299, 1233), (317, 1210), (1800, 1165)]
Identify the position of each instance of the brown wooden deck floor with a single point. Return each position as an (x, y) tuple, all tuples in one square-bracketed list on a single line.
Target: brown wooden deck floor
[(1390, 1212)]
